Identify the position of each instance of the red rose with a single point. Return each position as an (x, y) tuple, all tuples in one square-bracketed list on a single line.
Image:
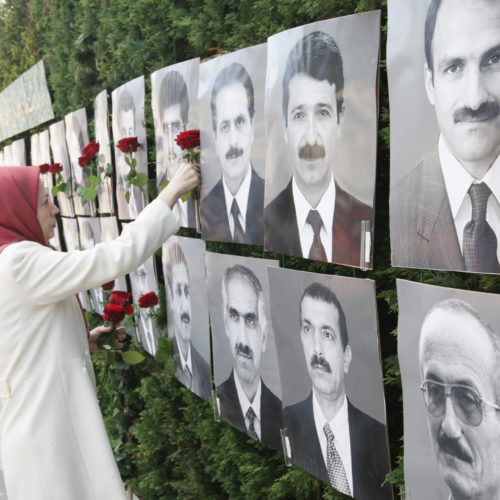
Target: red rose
[(91, 149), (114, 313), (84, 160), (129, 309), (127, 144), (109, 285), (55, 168), (119, 297), (188, 139), (149, 299), (44, 168)]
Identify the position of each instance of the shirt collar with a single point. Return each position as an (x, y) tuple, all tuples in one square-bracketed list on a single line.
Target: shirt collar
[(325, 207), (339, 423), (242, 397), (241, 196), (187, 361)]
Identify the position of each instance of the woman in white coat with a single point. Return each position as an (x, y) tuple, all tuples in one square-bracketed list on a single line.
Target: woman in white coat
[(53, 441)]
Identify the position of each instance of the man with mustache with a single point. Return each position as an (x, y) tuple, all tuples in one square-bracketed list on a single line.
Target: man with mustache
[(459, 362), (445, 213), (313, 217), (192, 370), (245, 400), (330, 437), (233, 210)]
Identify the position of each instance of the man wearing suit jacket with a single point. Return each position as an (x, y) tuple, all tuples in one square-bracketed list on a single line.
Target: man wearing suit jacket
[(233, 210), (330, 437), (192, 370), (313, 217), (445, 214), (245, 400)]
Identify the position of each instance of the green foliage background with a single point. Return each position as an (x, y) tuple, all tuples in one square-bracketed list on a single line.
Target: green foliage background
[(165, 439)]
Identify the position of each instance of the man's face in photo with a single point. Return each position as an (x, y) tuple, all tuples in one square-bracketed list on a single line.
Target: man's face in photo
[(327, 362), (172, 124), (464, 86), (181, 302), (456, 350), (234, 132), (312, 129), (241, 320)]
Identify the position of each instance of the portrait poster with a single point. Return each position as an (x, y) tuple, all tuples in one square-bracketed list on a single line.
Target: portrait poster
[(243, 345), (310, 344), (18, 152), (77, 137), (174, 101), (90, 235), (435, 450), (187, 310), (233, 146), (101, 128), (40, 154), (128, 121), (109, 232), (7, 150), (55, 241), (2, 159), (321, 156), (444, 133), (60, 155), (72, 239)]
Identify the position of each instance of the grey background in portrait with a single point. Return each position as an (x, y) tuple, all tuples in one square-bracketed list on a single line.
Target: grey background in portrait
[(414, 130), (136, 89), (109, 231), (18, 153), (358, 37), (422, 476), (189, 71), (60, 155), (364, 386), (194, 252), (77, 129), (101, 130), (223, 358), (254, 61)]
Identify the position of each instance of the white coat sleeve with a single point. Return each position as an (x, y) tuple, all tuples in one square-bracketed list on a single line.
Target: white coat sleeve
[(45, 276)]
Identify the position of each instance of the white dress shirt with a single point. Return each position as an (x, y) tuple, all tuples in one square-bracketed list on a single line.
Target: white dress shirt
[(245, 404), (241, 198), (325, 207), (340, 428), (458, 181), (187, 361)]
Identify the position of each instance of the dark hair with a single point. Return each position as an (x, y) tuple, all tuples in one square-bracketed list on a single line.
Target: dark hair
[(317, 291), (318, 56), (173, 91), (430, 25), (234, 73), (175, 255), (125, 101)]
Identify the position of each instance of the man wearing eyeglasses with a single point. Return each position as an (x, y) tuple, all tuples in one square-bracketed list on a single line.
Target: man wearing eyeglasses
[(458, 355)]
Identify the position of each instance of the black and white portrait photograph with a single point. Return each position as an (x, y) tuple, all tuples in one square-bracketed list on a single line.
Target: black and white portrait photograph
[(329, 357), (77, 137), (187, 309), (60, 155), (174, 101), (445, 140), (72, 239), (18, 153), (247, 378), (90, 235), (449, 356), (231, 97), (321, 123), (128, 121), (101, 128), (40, 154), (109, 232), (7, 155)]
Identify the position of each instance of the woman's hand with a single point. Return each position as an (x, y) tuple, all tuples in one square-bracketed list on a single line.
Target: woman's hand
[(185, 179), (97, 332)]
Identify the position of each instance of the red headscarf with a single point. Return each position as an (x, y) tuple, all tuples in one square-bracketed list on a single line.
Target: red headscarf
[(18, 205)]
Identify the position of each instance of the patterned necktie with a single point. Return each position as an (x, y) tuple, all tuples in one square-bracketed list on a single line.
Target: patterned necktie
[(239, 235), (251, 423), (189, 377), (479, 242), (334, 465), (317, 251)]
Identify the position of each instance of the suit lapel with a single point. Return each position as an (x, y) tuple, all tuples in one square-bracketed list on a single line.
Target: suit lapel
[(290, 223)]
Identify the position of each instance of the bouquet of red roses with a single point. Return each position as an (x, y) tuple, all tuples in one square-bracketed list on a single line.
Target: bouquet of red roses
[(128, 146)]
